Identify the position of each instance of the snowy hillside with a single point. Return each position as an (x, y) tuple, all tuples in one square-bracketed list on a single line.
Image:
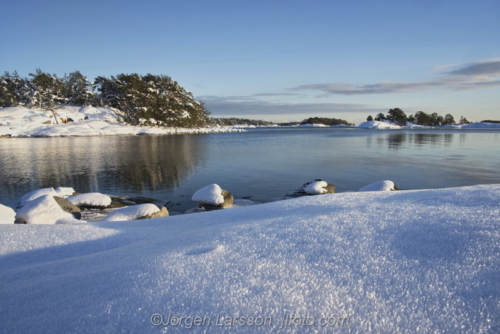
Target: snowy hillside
[(375, 262), (80, 121)]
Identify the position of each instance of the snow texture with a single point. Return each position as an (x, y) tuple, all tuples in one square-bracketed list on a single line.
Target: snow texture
[(211, 194), (90, 199), (87, 121), (422, 261), (44, 210), (65, 191), (132, 212), (37, 193), (379, 186), (316, 188), (7, 215)]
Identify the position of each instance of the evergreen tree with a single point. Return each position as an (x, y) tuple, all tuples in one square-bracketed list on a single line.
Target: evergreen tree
[(77, 89), (464, 120), (369, 118), (449, 120), (397, 116), (380, 117), (422, 118)]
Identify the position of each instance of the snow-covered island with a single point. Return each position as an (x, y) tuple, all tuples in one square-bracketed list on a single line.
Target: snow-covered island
[(423, 261)]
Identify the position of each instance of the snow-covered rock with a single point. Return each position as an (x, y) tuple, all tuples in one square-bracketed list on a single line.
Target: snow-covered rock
[(7, 215), (37, 193), (211, 194), (43, 210), (90, 200), (64, 191), (380, 186), (134, 212), (316, 188), (212, 197)]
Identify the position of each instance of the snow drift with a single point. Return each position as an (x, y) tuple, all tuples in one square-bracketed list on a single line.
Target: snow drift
[(381, 262)]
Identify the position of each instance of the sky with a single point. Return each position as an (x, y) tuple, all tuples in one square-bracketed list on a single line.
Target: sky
[(275, 60)]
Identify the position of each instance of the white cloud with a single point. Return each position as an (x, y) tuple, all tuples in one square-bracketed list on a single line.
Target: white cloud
[(478, 75)]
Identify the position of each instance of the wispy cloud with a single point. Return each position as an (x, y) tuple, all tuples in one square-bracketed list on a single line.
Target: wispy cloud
[(477, 75), (249, 106)]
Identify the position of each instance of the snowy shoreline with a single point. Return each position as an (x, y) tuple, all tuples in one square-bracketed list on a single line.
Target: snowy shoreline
[(19, 122), (391, 262)]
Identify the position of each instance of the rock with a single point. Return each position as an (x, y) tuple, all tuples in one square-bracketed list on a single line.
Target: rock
[(212, 197), (69, 207), (380, 186), (315, 187), (162, 213), (90, 200), (134, 212), (37, 193), (43, 210)]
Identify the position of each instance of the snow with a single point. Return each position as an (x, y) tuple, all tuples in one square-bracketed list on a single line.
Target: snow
[(211, 194), (379, 186), (7, 215), (378, 125), (422, 261), (90, 199), (87, 121), (131, 212), (37, 193), (44, 210), (313, 125), (65, 191), (316, 188)]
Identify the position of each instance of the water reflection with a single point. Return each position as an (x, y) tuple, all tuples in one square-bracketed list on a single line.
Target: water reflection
[(403, 139), (126, 164)]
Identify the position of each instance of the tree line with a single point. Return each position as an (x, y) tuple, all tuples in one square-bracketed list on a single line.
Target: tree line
[(399, 117), (144, 99)]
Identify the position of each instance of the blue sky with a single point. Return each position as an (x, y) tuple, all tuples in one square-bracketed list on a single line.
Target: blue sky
[(275, 60)]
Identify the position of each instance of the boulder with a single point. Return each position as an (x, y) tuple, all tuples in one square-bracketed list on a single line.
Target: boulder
[(134, 212), (213, 197), (43, 210), (162, 213), (69, 207), (315, 187), (90, 200)]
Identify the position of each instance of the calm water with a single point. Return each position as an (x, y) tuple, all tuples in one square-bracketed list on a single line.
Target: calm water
[(261, 164)]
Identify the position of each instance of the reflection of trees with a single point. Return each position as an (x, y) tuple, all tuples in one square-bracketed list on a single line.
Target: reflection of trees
[(402, 139), (128, 163)]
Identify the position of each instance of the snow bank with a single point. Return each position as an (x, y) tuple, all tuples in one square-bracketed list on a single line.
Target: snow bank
[(379, 186), (316, 188), (378, 125), (7, 215), (131, 212), (44, 210), (90, 199), (87, 121), (376, 262), (211, 194), (37, 193)]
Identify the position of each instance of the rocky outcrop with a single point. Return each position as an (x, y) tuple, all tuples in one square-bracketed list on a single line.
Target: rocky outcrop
[(69, 207)]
